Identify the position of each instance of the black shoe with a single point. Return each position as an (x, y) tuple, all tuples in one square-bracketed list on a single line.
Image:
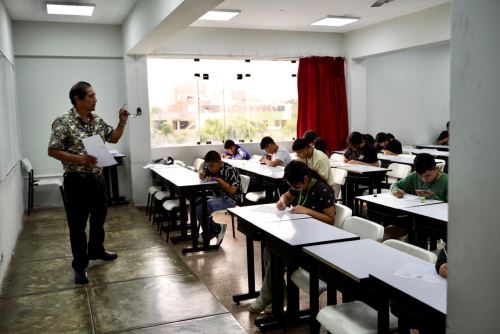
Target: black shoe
[(106, 256), (81, 277)]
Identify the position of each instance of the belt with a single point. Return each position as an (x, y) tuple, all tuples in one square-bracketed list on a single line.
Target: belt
[(82, 174)]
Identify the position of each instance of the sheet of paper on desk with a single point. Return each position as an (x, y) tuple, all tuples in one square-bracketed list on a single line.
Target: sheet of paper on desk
[(417, 271), (95, 146)]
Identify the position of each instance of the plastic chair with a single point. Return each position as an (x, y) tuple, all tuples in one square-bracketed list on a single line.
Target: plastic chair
[(337, 157), (339, 177), (440, 163), (412, 250), (364, 228), (397, 172), (342, 213), (149, 204), (28, 167), (300, 276)]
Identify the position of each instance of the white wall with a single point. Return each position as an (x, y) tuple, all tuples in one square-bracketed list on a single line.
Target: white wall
[(47, 66), (425, 28), (407, 94), (11, 200), (473, 229)]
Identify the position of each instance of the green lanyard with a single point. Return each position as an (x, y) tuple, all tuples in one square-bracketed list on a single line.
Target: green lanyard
[(299, 201)]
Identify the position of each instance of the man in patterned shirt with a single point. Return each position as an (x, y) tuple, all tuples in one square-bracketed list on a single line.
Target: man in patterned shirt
[(84, 183), (224, 197)]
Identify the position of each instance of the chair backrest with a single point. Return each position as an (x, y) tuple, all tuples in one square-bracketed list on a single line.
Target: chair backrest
[(337, 157), (342, 212), (399, 171), (339, 176), (244, 183), (440, 163), (198, 163), (28, 167), (412, 250), (364, 228)]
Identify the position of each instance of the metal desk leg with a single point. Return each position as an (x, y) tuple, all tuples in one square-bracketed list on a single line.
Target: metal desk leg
[(250, 275)]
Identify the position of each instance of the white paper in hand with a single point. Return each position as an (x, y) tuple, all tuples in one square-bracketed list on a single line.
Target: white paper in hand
[(95, 146)]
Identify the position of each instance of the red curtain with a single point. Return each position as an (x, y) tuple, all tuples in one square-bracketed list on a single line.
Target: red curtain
[(323, 100)]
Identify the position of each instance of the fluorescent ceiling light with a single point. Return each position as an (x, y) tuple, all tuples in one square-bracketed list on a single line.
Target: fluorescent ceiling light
[(70, 9), (335, 21), (220, 15)]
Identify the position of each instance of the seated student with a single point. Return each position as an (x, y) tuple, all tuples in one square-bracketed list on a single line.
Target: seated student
[(442, 263), (235, 151), (444, 137), (278, 156), (388, 144), (314, 159), (427, 180), (312, 139), (224, 197), (359, 152), (308, 194), (369, 139)]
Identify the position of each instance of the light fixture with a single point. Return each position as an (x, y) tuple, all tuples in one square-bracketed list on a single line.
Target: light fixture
[(335, 21), (66, 8), (220, 15)]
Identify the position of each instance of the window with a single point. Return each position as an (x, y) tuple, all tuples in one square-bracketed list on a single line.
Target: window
[(213, 100)]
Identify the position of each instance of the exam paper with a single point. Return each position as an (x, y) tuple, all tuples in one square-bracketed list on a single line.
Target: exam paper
[(417, 271), (95, 147)]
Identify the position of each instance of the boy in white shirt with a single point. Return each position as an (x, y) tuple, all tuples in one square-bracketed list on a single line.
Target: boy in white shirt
[(279, 156)]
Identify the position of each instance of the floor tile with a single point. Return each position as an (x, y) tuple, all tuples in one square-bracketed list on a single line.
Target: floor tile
[(132, 239), (138, 263), (222, 323), (151, 301), (56, 312), (42, 249), (27, 278)]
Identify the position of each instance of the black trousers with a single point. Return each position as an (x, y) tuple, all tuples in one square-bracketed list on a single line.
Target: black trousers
[(86, 201)]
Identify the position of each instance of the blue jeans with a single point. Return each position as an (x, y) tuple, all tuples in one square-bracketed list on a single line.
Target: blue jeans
[(214, 204)]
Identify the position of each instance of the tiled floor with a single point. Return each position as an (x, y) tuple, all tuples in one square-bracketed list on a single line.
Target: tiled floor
[(148, 289)]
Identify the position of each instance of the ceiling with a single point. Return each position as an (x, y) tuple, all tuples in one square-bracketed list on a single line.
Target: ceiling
[(288, 15)]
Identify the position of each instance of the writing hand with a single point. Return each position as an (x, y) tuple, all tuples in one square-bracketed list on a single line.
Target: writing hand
[(201, 175), (281, 204), (398, 193), (88, 160)]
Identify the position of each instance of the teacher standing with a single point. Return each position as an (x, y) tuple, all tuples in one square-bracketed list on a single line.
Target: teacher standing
[(84, 184)]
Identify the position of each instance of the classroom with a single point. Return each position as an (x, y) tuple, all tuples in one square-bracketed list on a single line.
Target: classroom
[(174, 85)]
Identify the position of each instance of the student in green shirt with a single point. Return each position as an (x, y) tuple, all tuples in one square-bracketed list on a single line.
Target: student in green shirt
[(427, 180)]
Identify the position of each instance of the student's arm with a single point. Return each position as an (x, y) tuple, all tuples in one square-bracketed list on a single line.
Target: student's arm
[(442, 264), (228, 188), (326, 216), (443, 138), (401, 187), (274, 163)]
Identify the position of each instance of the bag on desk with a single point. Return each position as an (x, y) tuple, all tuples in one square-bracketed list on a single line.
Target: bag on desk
[(163, 161)]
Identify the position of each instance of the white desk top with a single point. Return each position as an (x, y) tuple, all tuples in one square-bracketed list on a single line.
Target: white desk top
[(305, 231), (432, 152), (265, 213), (391, 201), (396, 158), (181, 177), (354, 168), (360, 258), (432, 294), (436, 211), (257, 168)]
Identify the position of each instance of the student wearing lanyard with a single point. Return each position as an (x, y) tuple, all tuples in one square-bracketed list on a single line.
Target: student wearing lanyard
[(309, 194)]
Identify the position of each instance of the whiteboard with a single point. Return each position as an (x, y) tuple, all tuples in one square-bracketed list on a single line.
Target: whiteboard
[(9, 143)]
